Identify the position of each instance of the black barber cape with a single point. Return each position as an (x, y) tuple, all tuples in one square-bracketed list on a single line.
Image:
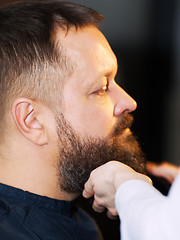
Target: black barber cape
[(27, 216)]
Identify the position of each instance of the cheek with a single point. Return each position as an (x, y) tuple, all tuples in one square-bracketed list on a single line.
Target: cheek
[(91, 119)]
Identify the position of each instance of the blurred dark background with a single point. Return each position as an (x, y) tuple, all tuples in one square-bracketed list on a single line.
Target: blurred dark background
[(145, 36)]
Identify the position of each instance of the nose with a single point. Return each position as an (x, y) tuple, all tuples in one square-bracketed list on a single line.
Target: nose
[(124, 102)]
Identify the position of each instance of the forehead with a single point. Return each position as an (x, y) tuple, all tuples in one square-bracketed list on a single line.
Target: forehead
[(89, 50)]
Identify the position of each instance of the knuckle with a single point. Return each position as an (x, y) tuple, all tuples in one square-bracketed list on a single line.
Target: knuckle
[(114, 212), (100, 202)]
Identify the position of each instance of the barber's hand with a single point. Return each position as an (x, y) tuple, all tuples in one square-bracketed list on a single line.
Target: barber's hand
[(103, 183), (166, 170)]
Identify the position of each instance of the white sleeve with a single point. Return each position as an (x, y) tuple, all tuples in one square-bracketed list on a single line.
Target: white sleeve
[(146, 214)]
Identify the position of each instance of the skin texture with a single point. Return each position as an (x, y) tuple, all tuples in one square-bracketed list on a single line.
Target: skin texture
[(92, 104), (104, 182)]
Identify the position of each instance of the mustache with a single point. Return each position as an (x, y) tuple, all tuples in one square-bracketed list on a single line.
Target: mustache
[(125, 121)]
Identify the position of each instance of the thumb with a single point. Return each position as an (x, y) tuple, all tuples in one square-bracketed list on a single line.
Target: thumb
[(88, 189)]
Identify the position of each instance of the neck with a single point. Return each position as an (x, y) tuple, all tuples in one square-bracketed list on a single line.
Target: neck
[(35, 172)]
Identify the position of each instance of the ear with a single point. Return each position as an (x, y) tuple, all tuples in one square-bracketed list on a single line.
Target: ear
[(25, 115)]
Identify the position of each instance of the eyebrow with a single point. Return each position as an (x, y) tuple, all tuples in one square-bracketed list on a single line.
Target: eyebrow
[(108, 73)]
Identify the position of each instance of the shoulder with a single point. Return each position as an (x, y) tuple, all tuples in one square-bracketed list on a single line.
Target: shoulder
[(11, 226)]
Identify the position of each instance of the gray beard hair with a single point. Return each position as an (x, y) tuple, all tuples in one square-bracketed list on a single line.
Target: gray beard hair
[(78, 157)]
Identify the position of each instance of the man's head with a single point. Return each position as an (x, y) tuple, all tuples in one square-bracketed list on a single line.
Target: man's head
[(57, 83)]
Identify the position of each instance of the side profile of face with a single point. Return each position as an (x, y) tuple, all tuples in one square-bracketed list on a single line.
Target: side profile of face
[(93, 123), (93, 101)]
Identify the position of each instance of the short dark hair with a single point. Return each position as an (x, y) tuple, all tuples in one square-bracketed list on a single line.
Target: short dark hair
[(29, 52)]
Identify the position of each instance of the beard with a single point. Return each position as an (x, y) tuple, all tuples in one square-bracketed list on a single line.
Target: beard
[(79, 156)]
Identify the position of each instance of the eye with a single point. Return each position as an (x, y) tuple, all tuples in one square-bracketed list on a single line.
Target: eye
[(102, 91)]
